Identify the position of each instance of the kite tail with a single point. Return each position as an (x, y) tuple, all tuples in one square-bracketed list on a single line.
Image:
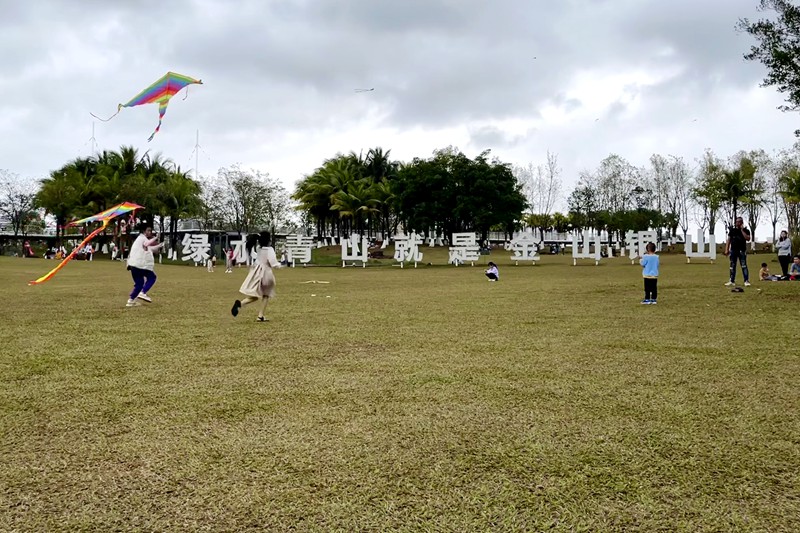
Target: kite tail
[(156, 131), (119, 108), (70, 256)]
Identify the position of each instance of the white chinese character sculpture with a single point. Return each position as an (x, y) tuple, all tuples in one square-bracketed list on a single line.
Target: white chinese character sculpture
[(406, 248), (195, 248), (589, 238), (465, 248), (637, 243), (298, 248), (704, 249), (355, 249), (240, 252), (525, 247)]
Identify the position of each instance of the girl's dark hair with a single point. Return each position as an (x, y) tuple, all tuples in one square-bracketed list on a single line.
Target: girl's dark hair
[(262, 239), (782, 238), (492, 264), (763, 265), (651, 247)]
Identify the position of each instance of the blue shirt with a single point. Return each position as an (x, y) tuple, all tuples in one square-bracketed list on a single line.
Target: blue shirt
[(649, 264)]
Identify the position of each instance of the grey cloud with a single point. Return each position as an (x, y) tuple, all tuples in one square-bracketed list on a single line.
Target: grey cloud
[(280, 74)]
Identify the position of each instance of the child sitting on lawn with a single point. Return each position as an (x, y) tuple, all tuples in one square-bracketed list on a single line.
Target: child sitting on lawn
[(492, 272), (794, 269), (764, 274)]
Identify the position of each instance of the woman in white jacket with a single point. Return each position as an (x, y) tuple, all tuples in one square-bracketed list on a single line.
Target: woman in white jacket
[(260, 281), (784, 246), (141, 265)]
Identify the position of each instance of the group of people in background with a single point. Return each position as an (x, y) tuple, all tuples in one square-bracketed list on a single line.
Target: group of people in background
[(260, 282), (790, 265)]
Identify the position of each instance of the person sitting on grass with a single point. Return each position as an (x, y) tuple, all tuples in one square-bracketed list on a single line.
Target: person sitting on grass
[(764, 274), (794, 269), (492, 272)]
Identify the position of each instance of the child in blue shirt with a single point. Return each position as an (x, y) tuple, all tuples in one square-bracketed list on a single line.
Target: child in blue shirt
[(649, 262)]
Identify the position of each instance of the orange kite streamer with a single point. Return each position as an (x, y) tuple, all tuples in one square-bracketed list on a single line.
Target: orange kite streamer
[(105, 217)]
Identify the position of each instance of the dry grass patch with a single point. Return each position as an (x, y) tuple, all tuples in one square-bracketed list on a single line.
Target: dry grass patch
[(399, 400)]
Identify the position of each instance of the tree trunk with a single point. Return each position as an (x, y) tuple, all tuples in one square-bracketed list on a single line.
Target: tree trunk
[(774, 225)]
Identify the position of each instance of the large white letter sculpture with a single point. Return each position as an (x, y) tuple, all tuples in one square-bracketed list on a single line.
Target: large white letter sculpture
[(355, 249), (298, 248), (710, 253), (195, 248), (525, 248), (465, 248), (637, 243), (406, 248), (240, 252), (586, 253)]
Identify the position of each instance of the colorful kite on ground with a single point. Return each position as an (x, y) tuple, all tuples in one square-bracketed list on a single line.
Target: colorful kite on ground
[(161, 91), (105, 217)]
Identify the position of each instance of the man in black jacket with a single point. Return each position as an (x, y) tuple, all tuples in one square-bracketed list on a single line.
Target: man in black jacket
[(736, 250)]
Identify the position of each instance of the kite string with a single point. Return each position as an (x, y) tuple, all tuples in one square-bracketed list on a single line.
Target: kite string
[(119, 108), (106, 119)]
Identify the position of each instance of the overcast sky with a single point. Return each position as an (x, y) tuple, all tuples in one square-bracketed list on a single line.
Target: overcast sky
[(518, 77)]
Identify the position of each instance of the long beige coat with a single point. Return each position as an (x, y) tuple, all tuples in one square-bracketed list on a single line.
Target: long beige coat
[(260, 281)]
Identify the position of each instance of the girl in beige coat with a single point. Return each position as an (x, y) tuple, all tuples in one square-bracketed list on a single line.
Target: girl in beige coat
[(260, 281)]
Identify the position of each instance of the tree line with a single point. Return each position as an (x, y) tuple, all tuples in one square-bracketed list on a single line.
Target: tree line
[(671, 194), (235, 199), (372, 194)]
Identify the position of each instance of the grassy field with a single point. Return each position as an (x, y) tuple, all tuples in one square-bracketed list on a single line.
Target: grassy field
[(414, 399)]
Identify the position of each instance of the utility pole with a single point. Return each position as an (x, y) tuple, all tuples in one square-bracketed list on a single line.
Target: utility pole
[(197, 156), (93, 141)]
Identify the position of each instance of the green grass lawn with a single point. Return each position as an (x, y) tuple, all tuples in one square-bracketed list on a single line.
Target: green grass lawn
[(414, 399)]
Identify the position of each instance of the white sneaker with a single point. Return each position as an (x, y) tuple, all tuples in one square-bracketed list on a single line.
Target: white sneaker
[(730, 284), (144, 297), (132, 303), (746, 283)]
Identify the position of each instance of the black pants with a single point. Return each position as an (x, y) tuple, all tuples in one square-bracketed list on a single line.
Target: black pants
[(785, 260), (741, 257), (650, 288), (491, 275)]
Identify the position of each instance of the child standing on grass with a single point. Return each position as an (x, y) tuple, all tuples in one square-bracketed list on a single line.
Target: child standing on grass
[(229, 261), (649, 262)]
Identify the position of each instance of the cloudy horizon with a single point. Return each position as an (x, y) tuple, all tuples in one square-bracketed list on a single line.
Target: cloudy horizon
[(582, 79)]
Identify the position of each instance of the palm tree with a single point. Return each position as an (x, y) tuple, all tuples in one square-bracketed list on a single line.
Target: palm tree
[(179, 197), (355, 203), (59, 196), (312, 199), (385, 199)]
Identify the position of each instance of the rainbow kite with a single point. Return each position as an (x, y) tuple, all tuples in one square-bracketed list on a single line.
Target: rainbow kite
[(105, 217), (160, 92)]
